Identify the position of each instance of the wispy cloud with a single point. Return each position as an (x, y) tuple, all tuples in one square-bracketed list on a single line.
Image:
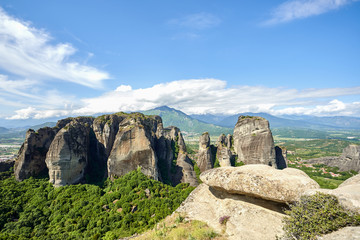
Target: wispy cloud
[(211, 96), (297, 9), (200, 21), (29, 52)]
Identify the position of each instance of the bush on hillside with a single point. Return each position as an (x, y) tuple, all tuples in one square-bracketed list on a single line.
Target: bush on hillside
[(316, 215)]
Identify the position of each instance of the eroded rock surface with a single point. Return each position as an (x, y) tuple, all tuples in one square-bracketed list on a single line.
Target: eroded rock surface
[(109, 145), (253, 141), (249, 218), (260, 181), (349, 159), (347, 233), (67, 156), (224, 154), (32, 154), (205, 160), (134, 147)]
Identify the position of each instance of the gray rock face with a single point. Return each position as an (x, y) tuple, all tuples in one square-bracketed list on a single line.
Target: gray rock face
[(205, 159), (250, 218), (350, 233), (67, 156), (184, 171), (349, 160), (280, 160), (105, 129), (174, 164), (253, 141), (134, 147), (32, 154), (109, 145), (261, 181), (224, 153)]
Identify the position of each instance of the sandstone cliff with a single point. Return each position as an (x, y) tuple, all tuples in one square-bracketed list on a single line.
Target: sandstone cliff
[(67, 156), (223, 152), (32, 154), (87, 149), (254, 143), (205, 159)]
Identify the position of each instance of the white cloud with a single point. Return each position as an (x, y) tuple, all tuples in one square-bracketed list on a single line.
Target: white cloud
[(297, 9), (28, 52), (201, 20), (197, 96)]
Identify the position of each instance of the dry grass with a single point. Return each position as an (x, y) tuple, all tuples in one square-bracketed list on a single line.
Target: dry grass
[(175, 227)]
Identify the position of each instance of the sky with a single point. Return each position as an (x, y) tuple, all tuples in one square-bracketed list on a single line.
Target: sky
[(70, 58)]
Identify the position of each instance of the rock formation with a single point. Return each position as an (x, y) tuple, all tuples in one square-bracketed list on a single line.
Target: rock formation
[(205, 160), (260, 181), (174, 165), (134, 147), (253, 141), (252, 197), (280, 159), (32, 154), (67, 156), (352, 233), (109, 145), (223, 153), (349, 159)]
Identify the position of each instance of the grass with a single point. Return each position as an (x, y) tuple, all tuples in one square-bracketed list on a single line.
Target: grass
[(176, 227)]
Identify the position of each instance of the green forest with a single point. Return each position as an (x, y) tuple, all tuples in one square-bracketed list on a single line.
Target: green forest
[(131, 204)]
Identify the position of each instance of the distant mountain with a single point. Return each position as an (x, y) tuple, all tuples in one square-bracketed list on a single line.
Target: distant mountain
[(187, 124), (209, 118), (275, 122), (20, 132), (24, 123), (287, 121), (337, 121), (3, 130)]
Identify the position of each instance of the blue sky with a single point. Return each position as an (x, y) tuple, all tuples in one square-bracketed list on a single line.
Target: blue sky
[(68, 58)]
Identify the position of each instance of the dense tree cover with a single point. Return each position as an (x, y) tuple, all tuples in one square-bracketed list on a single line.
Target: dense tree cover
[(130, 204)]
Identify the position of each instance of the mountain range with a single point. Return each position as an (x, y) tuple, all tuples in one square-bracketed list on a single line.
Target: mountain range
[(193, 125)]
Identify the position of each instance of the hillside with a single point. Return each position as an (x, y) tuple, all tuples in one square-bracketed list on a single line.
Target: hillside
[(275, 122), (188, 125), (7, 134), (34, 209)]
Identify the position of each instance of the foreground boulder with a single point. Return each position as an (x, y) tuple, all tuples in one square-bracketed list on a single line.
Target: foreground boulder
[(261, 181), (248, 218), (350, 233), (253, 141)]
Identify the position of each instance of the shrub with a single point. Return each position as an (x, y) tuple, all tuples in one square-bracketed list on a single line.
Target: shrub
[(223, 220), (316, 215)]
